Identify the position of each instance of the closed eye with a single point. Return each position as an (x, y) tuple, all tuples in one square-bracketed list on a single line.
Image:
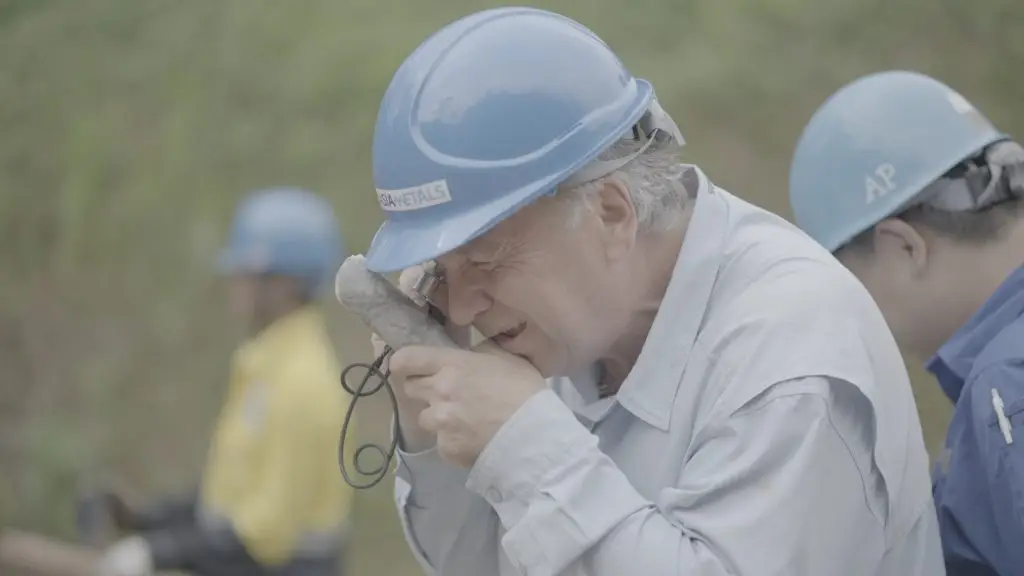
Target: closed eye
[(489, 266)]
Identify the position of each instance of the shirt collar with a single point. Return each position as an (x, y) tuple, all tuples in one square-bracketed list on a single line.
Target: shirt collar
[(650, 388), (954, 360)]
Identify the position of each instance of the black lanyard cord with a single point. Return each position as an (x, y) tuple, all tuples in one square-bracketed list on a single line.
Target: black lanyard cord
[(362, 390)]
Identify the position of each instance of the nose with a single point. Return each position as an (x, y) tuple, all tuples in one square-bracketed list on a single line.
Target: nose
[(467, 298)]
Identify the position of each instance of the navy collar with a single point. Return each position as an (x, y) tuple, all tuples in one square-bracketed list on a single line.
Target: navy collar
[(954, 360)]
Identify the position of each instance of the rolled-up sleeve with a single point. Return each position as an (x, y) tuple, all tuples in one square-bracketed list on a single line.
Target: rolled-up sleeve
[(761, 493)]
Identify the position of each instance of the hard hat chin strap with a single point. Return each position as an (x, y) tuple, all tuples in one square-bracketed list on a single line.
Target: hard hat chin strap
[(1006, 160), (654, 126), (998, 176), (657, 124)]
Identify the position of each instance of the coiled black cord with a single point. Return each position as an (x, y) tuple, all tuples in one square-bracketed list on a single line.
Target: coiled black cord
[(373, 370), (361, 391)]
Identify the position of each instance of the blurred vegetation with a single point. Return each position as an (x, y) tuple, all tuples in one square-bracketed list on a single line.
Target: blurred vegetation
[(128, 129)]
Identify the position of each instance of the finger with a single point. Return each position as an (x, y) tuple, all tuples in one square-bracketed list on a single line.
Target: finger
[(419, 389), (431, 389), (433, 418), (420, 361), (488, 347)]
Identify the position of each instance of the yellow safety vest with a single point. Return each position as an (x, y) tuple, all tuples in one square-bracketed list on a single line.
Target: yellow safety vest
[(272, 469)]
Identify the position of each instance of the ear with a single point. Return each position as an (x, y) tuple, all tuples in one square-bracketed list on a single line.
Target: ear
[(615, 211), (896, 239)]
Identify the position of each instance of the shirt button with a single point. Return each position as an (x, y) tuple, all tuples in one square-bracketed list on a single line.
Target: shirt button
[(493, 495)]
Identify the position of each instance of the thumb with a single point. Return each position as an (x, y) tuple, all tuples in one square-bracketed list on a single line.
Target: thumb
[(487, 346)]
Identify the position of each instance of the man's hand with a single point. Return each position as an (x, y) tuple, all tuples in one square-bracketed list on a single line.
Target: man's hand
[(469, 394), (130, 556), (414, 438)]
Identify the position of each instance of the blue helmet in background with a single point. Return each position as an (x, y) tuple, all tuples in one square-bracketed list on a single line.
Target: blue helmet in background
[(284, 231), (873, 147), (488, 114)]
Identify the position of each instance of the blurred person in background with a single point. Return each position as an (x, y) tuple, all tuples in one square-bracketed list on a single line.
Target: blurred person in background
[(674, 382), (270, 501), (918, 194)]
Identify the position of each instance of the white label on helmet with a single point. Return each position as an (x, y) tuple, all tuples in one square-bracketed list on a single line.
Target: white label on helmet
[(879, 182), (959, 103), (422, 196)]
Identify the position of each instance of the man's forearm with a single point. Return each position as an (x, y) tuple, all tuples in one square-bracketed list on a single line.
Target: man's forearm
[(447, 527)]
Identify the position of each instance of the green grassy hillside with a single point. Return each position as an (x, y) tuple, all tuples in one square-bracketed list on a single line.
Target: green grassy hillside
[(128, 129)]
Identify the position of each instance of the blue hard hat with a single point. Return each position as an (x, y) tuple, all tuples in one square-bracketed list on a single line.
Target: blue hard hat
[(486, 115), (284, 231), (873, 147)]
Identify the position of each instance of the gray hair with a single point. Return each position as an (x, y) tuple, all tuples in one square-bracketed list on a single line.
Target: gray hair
[(653, 182)]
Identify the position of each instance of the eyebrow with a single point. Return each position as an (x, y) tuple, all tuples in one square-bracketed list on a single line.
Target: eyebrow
[(503, 249), (492, 254)]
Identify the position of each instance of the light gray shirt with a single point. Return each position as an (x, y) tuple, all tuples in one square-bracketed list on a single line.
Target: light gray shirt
[(767, 428)]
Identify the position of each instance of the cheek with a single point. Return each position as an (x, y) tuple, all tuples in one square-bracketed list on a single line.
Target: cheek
[(559, 303), (545, 301)]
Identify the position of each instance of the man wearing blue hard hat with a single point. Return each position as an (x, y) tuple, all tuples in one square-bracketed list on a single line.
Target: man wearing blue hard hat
[(674, 381), (269, 501), (919, 195)]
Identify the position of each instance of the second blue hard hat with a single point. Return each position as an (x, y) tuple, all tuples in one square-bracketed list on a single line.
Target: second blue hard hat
[(871, 149), (284, 231)]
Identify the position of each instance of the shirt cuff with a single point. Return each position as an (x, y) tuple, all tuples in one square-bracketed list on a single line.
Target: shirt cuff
[(540, 438)]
